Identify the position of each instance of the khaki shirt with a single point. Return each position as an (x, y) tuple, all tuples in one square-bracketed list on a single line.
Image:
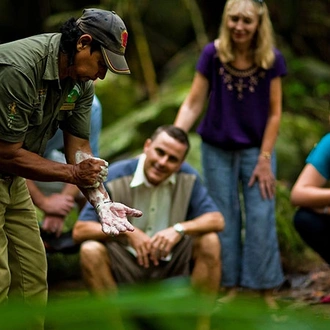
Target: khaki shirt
[(33, 100)]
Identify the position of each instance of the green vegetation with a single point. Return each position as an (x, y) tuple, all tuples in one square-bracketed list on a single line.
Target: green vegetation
[(170, 305)]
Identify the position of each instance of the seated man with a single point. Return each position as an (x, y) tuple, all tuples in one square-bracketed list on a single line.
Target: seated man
[(177, 234), (311, 193)]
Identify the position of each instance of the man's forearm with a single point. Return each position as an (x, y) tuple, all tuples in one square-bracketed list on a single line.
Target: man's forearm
[(96, 195), (34, 167), (88, 230), (207, 222)]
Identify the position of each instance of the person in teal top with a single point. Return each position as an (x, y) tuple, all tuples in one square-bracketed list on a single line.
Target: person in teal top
[(319, 156), (311, 194), (46, 82)]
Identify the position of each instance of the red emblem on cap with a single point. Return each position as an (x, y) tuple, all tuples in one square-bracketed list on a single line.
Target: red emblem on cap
[(124, 36)]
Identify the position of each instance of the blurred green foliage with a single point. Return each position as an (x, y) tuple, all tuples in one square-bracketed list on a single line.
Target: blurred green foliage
[(298, 135), (170, 305)]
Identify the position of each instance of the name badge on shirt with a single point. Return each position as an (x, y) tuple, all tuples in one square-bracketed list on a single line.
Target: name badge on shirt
[(70, 102), (68, 106)]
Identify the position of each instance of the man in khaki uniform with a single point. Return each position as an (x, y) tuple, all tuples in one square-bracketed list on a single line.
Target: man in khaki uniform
[(46, 82)]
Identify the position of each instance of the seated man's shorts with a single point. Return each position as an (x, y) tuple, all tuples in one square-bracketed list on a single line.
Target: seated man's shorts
[(125, 268)]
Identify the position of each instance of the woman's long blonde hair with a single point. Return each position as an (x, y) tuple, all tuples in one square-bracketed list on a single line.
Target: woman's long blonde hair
[(264, 39)]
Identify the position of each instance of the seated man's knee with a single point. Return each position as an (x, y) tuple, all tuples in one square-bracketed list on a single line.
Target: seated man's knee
[(207, 246), (92, 253)]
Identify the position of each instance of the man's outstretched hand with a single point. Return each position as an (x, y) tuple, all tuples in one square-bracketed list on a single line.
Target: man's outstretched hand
[(113, 217)]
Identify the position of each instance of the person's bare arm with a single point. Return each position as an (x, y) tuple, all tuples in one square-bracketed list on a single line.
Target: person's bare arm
[(87, 173), (206, 223), (274, 118), (193, 105), (263, 172), (88, 230), (309, 190), (18, 161)]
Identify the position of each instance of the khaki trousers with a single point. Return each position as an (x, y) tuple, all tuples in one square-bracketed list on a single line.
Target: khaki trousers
[(23, 265)]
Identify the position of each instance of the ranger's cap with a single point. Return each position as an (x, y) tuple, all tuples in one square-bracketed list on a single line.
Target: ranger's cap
[(109, 30)]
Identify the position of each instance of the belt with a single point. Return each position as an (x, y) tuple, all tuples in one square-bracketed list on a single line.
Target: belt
[(6, 176)]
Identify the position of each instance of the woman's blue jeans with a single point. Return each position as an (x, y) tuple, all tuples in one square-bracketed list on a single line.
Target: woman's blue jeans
[(250, 253)]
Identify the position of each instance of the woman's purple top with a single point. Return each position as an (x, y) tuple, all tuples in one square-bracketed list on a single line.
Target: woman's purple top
[(239, 101)]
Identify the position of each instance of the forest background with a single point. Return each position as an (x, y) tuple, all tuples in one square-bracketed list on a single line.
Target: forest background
[(165, 40)]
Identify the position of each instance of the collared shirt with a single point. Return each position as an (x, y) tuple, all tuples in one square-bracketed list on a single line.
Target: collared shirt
[(153, 201), (32, 94)]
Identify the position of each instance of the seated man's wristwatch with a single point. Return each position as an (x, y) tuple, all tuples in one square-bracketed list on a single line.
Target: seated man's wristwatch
[(179, 229)]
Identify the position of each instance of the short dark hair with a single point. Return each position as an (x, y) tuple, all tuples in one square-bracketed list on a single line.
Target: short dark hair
[(70, 35), (174, 132)]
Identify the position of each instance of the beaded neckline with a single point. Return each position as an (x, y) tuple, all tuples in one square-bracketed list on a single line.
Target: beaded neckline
[(240, 73), (240, 80)]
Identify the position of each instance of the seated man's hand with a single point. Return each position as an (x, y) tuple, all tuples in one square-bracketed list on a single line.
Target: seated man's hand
[(141, 243), (113, 217), (162, 244)]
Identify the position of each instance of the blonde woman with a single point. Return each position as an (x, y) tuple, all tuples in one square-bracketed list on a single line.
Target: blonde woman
[(239, 77)]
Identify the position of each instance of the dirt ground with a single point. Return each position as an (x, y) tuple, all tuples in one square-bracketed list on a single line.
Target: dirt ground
[(302, 289), (310, 289)]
